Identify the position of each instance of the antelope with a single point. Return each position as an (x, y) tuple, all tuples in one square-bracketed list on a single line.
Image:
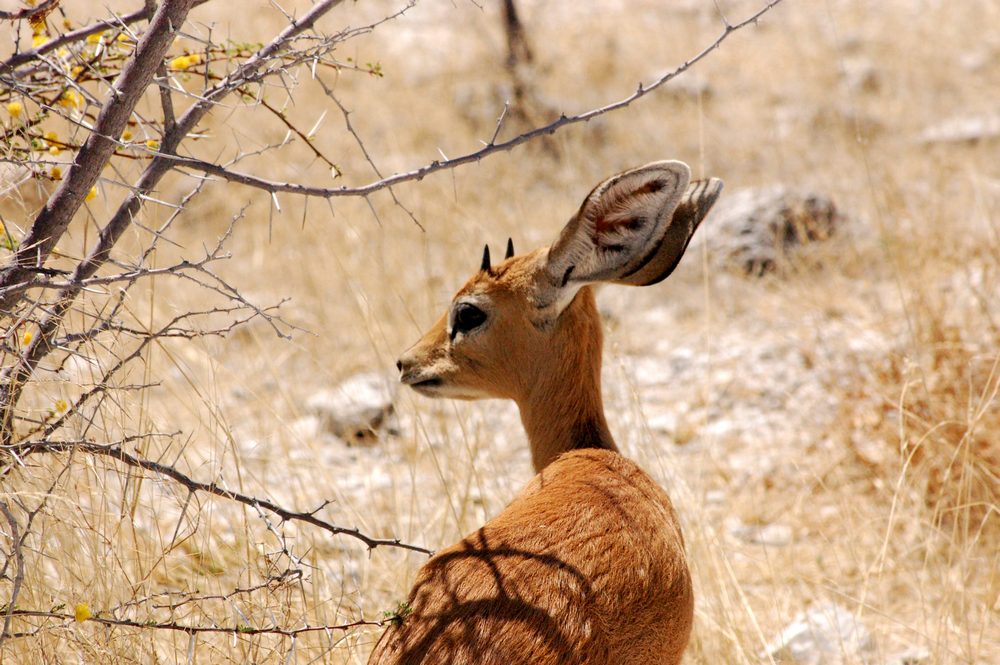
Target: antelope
[(587, 563)]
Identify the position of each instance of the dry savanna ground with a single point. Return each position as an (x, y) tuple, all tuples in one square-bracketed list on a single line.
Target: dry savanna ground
[(830, 433)]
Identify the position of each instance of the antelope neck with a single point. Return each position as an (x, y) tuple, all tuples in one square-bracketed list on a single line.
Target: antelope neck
[(563, 409)]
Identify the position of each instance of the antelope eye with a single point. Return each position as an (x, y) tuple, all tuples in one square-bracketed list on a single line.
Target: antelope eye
[(466, 317)]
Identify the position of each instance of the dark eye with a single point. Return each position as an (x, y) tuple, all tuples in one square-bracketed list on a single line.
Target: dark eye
[(466, 317)]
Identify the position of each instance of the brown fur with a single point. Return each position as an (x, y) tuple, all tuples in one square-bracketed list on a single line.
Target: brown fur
[(586, 564)]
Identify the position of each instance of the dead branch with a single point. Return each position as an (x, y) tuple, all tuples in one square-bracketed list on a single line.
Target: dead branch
[(37, 245), (269, 583), (18, 556), (116, 452), (50, 225), (488, 149), (77, 35), (189, 629), (29, 12), (130, 86)]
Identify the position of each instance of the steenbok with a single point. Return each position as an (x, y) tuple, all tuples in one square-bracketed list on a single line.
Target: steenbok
[(586, 565)]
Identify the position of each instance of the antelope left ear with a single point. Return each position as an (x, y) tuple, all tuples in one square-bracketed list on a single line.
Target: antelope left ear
[(618, 225)]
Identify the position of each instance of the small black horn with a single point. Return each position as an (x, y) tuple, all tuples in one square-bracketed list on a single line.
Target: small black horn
[(486, 259), (510, 249)]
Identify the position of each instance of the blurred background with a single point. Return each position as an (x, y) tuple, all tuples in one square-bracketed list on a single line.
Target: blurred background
[(816, 385)]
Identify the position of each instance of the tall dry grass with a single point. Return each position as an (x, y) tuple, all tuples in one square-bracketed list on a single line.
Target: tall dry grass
[(853, 401)]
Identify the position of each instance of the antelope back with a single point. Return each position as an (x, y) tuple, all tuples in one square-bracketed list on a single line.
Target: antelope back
[(586, 566)]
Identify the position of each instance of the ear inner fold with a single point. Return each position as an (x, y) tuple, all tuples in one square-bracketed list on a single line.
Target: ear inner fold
[(619, 221), (664, 255)]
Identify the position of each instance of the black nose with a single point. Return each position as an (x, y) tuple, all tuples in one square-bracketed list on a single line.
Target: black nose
[(399, 365)]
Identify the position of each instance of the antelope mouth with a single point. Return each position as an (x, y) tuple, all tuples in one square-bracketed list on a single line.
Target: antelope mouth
[(426, 386)]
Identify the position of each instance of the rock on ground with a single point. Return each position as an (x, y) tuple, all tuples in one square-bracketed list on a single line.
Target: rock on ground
[(826, 634), (756, 229), (963, 129), (356, 409)]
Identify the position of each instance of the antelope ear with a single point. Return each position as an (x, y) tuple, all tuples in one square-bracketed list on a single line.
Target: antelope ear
[(620, 223), (664, 255)]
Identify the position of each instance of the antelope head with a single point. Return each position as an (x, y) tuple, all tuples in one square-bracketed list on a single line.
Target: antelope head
[(527, 328)]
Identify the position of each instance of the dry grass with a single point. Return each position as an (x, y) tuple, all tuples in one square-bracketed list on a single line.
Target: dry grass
[(854, 401)]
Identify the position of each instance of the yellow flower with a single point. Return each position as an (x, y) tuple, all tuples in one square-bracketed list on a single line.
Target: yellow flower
[(153, 144), (91, 194), (37, 23), (81, 612), (54, 150), (26, 339), (182, 62), (14, 108), (95, 38), (126, 135), (51, 137), (71, 99), (38, 40), (60, 405), (122, 37), (56, 173)]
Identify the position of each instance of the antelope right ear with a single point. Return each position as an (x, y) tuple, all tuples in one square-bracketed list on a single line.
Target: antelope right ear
[(632, 228), (664, 255)]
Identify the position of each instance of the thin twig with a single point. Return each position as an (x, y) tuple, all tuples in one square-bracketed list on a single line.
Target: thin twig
[(116, 452), (184, 628), (28, 12), (503, 115), (475, 156)]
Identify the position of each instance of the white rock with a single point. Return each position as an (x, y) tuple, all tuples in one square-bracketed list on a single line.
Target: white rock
[(826, 634), (306, 427), (662, 422), (963, 129), (772, 535), (715, 497), (861, 75), (356, 409), (912, 656)]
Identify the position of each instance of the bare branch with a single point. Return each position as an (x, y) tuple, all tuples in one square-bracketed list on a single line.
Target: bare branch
[(21, 450), (29, 12), (128, 88), (18, 556), (68, 197), (79, 34), (269, 583), (189, 629), (364, 151), (37, 246), (500, 119), (488, 149), (279, 114)]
